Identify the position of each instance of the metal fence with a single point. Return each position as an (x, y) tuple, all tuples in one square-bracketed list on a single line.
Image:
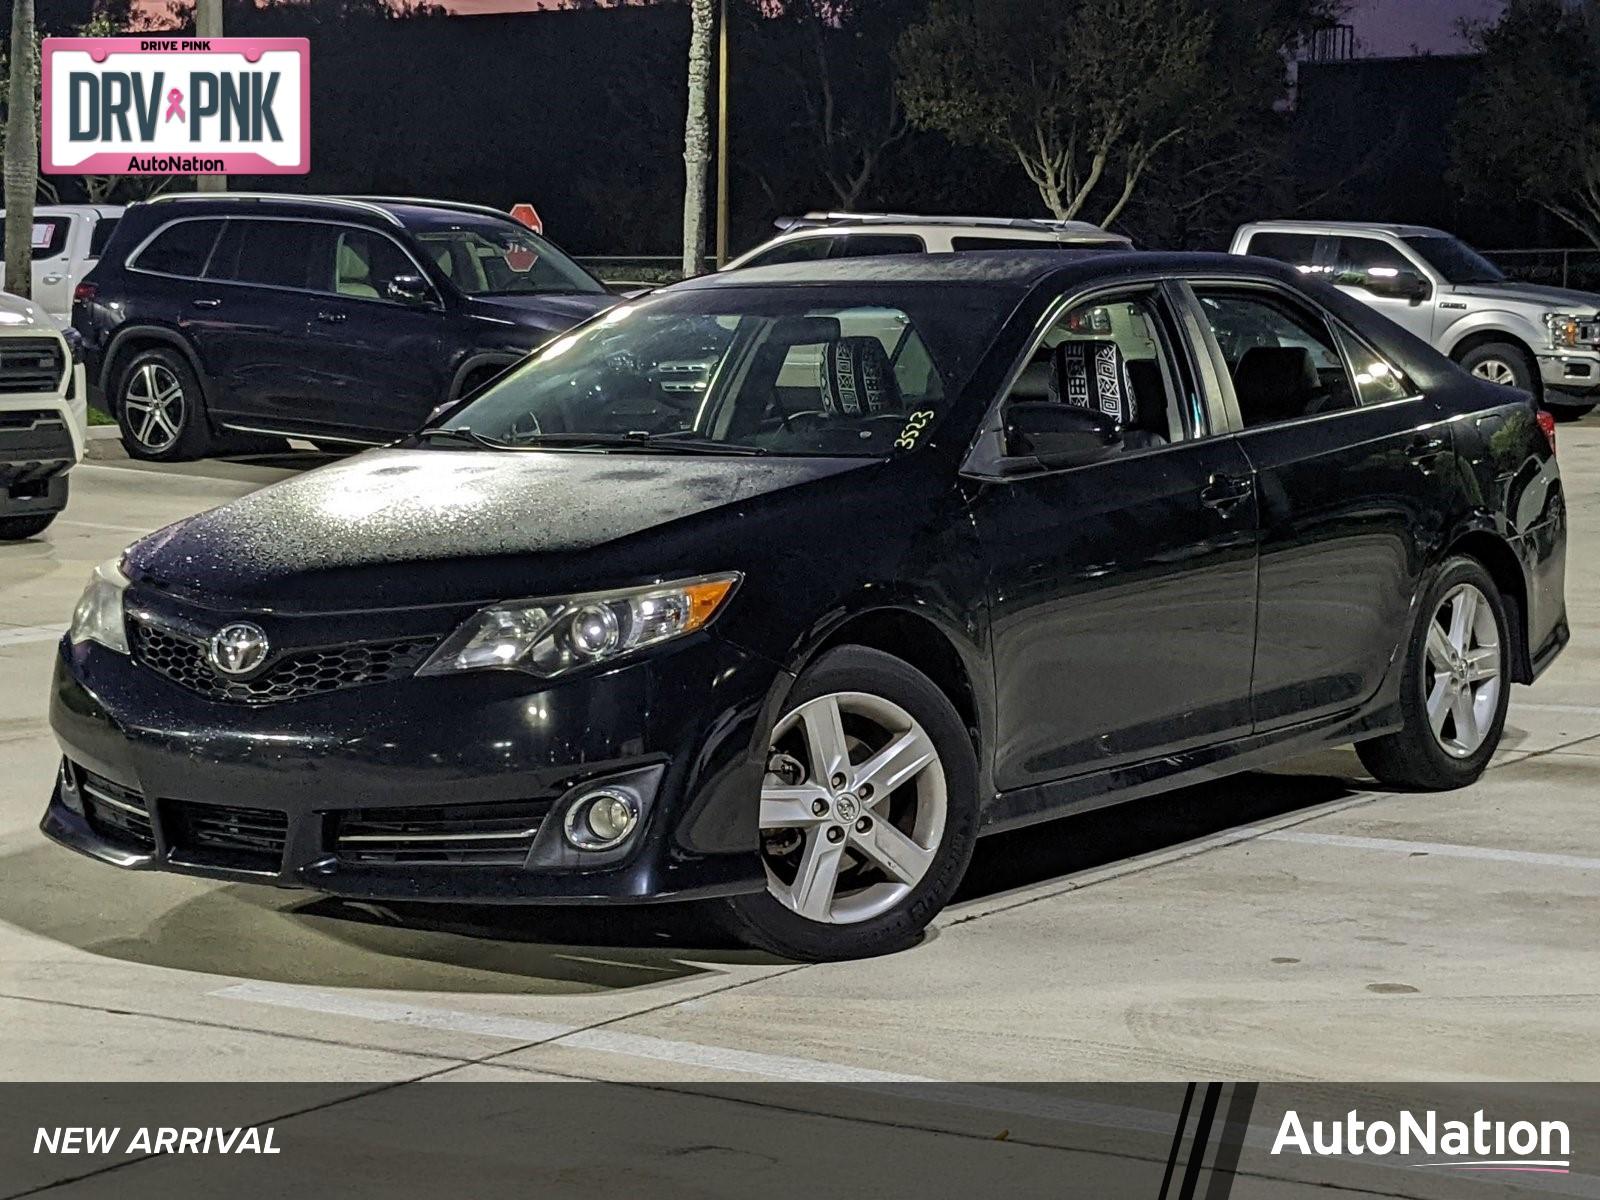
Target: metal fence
[(645, 270), (1573, 268)]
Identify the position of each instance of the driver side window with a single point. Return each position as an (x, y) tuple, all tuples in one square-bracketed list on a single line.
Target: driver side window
[(1284, 362)]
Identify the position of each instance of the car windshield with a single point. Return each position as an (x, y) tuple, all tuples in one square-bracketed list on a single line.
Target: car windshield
[(1455, 260), (744, 371), (486, 257)]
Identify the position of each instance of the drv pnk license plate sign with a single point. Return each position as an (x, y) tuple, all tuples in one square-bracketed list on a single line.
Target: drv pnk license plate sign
[(176, 106)]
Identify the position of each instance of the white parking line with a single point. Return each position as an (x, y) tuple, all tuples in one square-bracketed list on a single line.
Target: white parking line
[(1571, 862), (23, 634), (691, 1054), (1587, 710)]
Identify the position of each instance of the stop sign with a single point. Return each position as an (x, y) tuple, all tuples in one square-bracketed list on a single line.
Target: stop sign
[(527, 215), (520, 259)]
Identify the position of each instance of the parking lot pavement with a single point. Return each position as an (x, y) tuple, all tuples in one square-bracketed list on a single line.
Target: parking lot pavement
[(1285, 925)]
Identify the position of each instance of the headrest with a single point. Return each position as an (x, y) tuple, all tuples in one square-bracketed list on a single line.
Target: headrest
[(352, 267), (858, 378), (1274, 382), (1093, 375)]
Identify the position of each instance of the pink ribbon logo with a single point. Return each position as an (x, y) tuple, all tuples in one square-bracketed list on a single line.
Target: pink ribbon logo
[(175, 106)]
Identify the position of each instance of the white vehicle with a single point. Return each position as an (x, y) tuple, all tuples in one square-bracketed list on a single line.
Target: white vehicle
[(43, 418), (860, 235), (1543, 340), (67, 240)]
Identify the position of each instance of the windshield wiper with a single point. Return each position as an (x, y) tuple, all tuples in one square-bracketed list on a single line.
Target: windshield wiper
[(683, 442), (460, 434)]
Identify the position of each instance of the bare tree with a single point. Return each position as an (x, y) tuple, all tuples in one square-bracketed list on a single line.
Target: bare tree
[(697, 137), (1080, 93), (21, 150)]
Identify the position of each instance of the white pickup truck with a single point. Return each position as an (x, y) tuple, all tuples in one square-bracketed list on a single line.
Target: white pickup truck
[(43, 411), (1543, 340)]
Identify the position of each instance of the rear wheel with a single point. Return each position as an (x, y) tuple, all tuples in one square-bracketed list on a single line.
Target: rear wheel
[(1455, 688), (868, 812), (160, 408)]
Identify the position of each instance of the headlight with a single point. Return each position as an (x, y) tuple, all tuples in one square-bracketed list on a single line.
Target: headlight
[(551, 637), (98, 617), (74, 341), (1564, 329)]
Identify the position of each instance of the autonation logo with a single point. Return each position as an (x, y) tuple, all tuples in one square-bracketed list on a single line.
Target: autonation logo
[(1476, 1145)]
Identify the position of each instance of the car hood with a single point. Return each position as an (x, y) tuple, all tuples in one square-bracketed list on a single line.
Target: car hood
[(17, 313), (551, 311), (406, 528), (1548, 299)]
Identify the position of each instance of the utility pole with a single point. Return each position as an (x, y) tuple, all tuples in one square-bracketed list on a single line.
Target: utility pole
[(208, 24), (722, 138)]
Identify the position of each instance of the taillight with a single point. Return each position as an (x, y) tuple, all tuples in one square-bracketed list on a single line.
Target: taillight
[(84, 293), (1547, 426)]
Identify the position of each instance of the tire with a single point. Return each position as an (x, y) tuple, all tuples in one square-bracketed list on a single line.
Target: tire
[(926, 819), (145, 384), (16, 529), (1562, 411), (1436, 752), (1504, 363)]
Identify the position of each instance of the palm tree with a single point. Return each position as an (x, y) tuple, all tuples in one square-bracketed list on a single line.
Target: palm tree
[(22, 151), (696, 138)]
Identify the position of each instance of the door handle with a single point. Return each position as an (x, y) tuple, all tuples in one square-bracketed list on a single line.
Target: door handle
[(53, 278), (329, 317), (206, 303), (1222, 492), (1424, 450)]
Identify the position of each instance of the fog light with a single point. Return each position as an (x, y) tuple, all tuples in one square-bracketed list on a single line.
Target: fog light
[(600, 820), (69, 789)]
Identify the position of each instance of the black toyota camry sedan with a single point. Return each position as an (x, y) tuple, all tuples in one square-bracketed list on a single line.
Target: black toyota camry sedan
[(779, 589)]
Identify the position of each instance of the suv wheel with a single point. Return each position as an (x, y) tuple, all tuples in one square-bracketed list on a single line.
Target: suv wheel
[(15, 529), (868, 812), (160, 409), (1456, 686), (1502, 363)]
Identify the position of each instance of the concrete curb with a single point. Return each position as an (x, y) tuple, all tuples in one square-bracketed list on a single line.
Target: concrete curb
[(104, 433)]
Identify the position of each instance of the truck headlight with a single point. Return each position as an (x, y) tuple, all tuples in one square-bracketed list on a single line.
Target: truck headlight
[(553, 636), (98, 617), (1563, 329)]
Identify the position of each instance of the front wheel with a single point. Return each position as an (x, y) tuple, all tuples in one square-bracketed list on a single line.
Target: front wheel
[(1502, 363), (16, 529), (1455, 689), (869, 812)]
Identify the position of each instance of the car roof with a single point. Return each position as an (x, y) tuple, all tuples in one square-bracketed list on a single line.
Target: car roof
[(1332, 227), (847, 220), (72, 210), (390, 210), (1020, 270)]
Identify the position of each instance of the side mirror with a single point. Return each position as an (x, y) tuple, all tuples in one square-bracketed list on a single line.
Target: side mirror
[(409, 289), (1402, 285), (1058, 436)]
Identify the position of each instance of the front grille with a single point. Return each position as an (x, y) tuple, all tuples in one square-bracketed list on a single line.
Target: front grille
[(116, 813), (289, 677), (30, 364), (459, 835), (243, 839), (28, 419)]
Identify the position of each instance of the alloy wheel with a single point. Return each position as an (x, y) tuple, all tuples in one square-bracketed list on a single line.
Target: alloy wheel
[(853, 807), (1461, 671), (1496, 370), (154, 407)]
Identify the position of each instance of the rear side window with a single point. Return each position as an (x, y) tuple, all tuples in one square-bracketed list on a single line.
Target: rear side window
[(101, 234), (182, 248), (1296, 249), (283, 254), (865, 245), (1284, 361), (49, 236)]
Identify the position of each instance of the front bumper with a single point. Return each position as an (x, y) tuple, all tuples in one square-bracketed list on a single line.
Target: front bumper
[(412, 790), (1574, 373), (41, 438)]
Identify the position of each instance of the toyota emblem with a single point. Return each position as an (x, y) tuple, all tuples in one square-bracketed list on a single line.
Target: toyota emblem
[(238, 649)]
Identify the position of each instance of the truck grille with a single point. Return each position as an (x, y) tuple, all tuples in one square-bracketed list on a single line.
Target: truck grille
[(242, 839), (28, 419), (292, 676), (30, 364), (115, 812), (459, 835)]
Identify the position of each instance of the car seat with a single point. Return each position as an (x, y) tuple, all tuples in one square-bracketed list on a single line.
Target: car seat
[(858, 379), (1093, 375), (354, 272), (1276, 383)]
